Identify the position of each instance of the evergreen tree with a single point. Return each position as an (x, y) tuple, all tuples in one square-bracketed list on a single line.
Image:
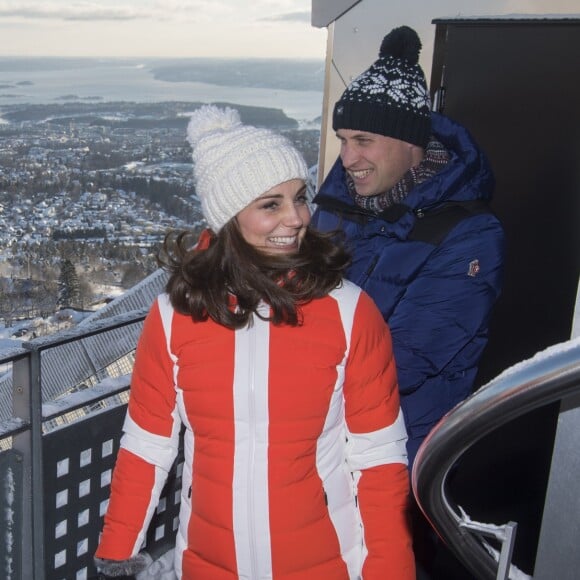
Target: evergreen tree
[(68, 285)]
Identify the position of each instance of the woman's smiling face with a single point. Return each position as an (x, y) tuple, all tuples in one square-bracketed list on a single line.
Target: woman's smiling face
[(276, 221)]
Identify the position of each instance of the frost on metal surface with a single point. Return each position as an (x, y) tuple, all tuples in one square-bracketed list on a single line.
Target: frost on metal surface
[(10, 425), (8, 522), (107, 386), (495, 531), (540, 357)]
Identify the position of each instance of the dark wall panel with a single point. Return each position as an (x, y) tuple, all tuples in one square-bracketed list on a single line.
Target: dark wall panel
[(515, 84)]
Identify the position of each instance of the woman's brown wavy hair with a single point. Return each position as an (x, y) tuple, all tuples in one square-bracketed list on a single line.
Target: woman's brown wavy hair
[(207, 283)]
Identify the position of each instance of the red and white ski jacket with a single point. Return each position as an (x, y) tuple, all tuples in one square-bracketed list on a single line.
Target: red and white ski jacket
[(295, 459)]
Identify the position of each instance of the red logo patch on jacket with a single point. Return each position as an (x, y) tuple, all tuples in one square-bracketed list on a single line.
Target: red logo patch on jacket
[(474, 268)]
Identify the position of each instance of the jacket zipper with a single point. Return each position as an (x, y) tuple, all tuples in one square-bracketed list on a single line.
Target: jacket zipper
[(251, 466)]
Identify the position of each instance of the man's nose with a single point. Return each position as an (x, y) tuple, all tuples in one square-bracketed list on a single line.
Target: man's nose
[(348, 155)]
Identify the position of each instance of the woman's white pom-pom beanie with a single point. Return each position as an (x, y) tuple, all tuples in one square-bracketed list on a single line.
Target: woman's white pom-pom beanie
[(233, 164)]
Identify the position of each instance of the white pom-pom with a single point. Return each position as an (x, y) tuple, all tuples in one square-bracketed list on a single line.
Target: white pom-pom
[(208, 119)]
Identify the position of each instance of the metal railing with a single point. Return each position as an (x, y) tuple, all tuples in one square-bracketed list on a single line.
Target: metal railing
[(58, 452), (57, 459), (551, 376)]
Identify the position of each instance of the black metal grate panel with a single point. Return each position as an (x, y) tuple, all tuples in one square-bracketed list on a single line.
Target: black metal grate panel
[(78, 465)]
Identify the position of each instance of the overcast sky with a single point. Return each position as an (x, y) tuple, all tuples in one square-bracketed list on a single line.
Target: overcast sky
[(274, 28), (256, 28)]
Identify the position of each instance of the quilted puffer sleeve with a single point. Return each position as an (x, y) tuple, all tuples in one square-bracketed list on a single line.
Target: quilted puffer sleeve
[(449, 302), (376, 447), (440, 326), (148, 447)]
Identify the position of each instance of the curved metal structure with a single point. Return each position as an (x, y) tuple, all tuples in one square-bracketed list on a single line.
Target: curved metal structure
[(550, 376)]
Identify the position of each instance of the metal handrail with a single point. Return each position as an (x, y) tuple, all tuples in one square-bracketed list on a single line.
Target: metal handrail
[(80, 331), (26, 427), (550, 376)]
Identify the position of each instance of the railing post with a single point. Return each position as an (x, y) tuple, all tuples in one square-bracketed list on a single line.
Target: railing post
[(27, 405), (11, 515), (29, 556), (506, 534), (22, 443)]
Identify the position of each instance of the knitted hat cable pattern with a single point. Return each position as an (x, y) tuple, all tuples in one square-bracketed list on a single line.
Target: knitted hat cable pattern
[(233, 163)]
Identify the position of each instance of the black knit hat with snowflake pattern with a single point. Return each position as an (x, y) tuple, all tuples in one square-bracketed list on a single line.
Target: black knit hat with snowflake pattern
[(391, 97)]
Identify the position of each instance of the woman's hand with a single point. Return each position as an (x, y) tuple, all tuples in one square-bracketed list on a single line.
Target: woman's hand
[(122, 569)]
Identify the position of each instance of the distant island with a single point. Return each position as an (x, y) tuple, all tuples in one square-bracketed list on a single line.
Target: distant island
[(284, 74), (77, 98), (167, 114), (292, 85), (17, 84)]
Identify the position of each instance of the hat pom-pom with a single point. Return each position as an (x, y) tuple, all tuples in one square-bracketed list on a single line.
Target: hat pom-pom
[(209, 119), (403, 43)]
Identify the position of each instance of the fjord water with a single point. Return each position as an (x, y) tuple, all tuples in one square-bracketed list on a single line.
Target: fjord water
[(53, 80)]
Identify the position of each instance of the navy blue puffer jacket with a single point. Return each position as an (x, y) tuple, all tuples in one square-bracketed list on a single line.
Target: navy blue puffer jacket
[(434, 268)]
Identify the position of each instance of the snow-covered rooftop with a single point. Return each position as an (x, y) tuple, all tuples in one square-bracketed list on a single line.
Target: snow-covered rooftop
[(85, 359)]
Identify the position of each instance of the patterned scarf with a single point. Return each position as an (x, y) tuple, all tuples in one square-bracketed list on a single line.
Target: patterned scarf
[(435, 158)]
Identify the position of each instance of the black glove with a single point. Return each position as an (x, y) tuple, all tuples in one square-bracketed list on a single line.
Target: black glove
[(122, 569)]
